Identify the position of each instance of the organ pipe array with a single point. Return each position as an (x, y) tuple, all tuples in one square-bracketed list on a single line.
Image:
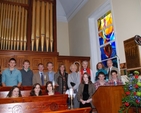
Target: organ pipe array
[(13, 25)]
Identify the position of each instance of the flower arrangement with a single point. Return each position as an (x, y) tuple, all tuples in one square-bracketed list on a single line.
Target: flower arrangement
[(132, 97)]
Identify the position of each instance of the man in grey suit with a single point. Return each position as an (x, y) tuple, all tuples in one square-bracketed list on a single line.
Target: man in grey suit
[(110, 68), (40, 76)]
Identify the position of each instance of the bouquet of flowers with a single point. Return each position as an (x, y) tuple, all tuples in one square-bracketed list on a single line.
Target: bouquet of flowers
[(132, 97)]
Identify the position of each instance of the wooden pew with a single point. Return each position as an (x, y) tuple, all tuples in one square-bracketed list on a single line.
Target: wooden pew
[(21, 88), (25, 93), (78, 110), (30, 87), (34, 104), (51, 98), (5, 88)]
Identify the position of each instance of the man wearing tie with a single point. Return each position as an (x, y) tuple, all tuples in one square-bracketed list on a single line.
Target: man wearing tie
[(110, 68), (40, 77)]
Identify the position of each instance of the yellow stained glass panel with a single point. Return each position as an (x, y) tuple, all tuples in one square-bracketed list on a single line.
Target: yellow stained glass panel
[(104, 21)]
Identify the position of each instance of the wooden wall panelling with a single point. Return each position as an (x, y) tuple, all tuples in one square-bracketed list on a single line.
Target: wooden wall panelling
[(132, 53), (65, 62), (68, 60), (71, 61), (33, 57), (48, 59), (38, 57), (0, 66), (43, 59), (20, 59), (55, 64), (4, 61), (35, 61), (62, 60)]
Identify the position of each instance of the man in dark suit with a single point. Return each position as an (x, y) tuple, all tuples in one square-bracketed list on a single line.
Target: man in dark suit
[(110, 68), (40, 76)]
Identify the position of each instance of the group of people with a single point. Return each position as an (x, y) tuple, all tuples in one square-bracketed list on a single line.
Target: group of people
[(35, 91), (83, 82), (107, 76)]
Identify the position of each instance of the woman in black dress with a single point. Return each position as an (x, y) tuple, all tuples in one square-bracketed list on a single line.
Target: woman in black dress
[(85, 91)]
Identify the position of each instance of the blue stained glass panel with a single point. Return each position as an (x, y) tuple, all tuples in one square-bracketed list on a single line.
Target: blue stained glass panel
[(106, 35), (108, 51)]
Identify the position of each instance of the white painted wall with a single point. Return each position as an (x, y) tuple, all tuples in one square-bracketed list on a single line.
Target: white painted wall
[(127, 21), (63, 38), (79, 29), (73, 38)]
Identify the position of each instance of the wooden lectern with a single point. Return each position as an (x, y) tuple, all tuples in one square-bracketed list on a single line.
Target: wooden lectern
[(107, 99)]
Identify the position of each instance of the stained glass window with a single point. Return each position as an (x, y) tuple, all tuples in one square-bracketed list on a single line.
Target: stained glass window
[(108, 51), (104, 21), (106, 37)]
